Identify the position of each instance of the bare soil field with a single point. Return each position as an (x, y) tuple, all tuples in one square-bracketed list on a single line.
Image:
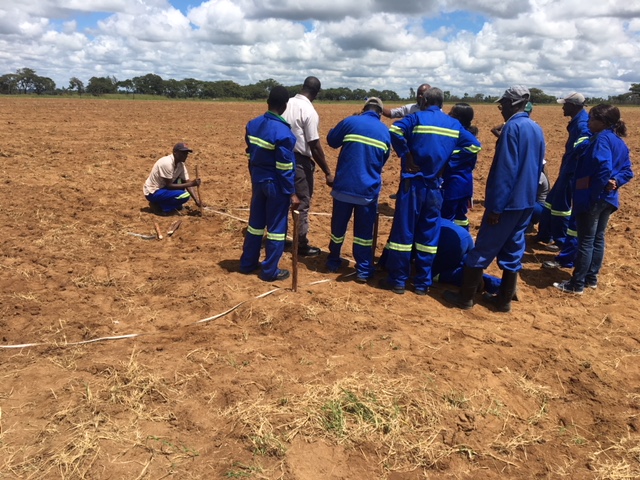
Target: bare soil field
[(335, 381)]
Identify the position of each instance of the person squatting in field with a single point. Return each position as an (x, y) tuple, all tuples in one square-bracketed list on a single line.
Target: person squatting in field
[(601, 170), (510, 196), (365, 145), (424, 141), (305, 122), (272, 162), (168, 186), (457, 177)]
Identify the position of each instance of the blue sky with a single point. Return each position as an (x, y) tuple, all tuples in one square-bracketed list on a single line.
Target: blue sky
[(473, 46)]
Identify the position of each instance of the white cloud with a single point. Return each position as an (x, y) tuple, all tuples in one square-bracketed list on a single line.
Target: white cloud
[(555, 46)]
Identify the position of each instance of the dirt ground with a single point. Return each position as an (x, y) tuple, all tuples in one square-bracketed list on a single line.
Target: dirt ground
[(336, 381)]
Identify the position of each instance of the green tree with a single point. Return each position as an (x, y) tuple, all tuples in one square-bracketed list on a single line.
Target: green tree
[(538, 96), (149, 84), (9, 84), (43, 85), (102, 85), (26, 78), (192, 87), (128, 87), (76, 84), (635, 88)]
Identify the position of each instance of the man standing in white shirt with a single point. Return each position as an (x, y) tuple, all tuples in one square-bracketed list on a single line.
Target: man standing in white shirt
[(304, 121), (408, 109)]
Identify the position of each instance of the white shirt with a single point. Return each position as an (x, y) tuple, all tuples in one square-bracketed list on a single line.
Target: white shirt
[(164, 171), (404, 110), (304, 121)]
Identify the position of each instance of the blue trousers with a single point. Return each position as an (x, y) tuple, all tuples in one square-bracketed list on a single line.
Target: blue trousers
[(504, 241), (567, 255), (456, 211), (416, 222), (269, 208), (364, 218), (592, 226), (552, 225), (169, 200)]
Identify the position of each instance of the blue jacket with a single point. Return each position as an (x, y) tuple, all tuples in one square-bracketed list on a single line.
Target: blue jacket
[(606, 157), (513, 179), (431, 136), (270, 147), (458, 174), (559, 198), (366, 146)]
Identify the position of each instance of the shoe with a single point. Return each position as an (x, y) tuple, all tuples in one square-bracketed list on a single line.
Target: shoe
[(592, 284), (282, 275), (309, 251), (383, 284), (551, 264), (393, 196), (361, 280), (463, 299), (421, 291), (551, 247), (568, 287)]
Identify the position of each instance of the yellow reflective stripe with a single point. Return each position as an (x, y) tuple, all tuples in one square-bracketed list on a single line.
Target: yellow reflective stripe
[(560, 213), (572, 233), (184, 195), (261, 143), (396, 130), (284, 166), (431, 130), (579, 141), (436, 278), (255, 231), (335, 239), (399, 247), (278, 237), (546, 205), (462, 223), (455, 152), (362, 242), (352, 137), (473, 148), (426, 248)]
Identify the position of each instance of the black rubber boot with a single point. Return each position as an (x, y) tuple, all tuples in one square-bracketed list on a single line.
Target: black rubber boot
[(508, 285), (471, 278)]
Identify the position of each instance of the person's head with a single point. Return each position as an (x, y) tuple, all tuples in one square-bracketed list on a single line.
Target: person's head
[(373, 104), (463, 112), (605, 116), (433, 96), (513, 100), (278, 98), (311, 88), (181, 151), (572, 104), (421, 91)]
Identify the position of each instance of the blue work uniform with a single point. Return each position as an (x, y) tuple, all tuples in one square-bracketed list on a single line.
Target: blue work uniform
[(457, 186), (270, 146), (454, 244), (511, 192), (431, 136), (365, 147), (606, 158), (554, 221)]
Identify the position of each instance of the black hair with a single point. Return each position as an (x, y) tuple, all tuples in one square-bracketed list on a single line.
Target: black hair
[(278, 97), (463, 112), (434, 96), (610, 116), (311, 85)]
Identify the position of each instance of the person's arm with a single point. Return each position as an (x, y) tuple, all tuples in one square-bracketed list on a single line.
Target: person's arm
[(318, 156)]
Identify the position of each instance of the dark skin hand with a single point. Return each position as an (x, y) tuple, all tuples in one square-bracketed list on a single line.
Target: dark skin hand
[(318, 156), (493, 218)]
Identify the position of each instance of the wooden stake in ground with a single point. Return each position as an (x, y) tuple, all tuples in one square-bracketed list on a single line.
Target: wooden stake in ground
[(294, 251), (158, 233), (198, 193), (174, 226), (374, 245)]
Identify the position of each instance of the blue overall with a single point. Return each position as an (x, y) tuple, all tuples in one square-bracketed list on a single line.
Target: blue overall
[(431, 137), (169, 200), (272, 165)]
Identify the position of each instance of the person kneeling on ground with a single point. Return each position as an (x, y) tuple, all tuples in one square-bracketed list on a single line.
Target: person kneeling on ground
[(168, 186), (272, 165)]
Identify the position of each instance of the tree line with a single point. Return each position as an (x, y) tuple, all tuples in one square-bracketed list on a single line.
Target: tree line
[(27, 81)]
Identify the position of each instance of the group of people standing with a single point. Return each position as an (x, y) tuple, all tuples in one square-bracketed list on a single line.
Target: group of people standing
[(438, 153)]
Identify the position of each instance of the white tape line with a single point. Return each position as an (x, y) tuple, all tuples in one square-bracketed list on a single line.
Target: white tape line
[(226, 214)]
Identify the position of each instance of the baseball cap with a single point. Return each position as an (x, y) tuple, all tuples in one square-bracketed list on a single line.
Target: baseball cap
[(575, 98), (516, 94), (374, 101), (182, 147)]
